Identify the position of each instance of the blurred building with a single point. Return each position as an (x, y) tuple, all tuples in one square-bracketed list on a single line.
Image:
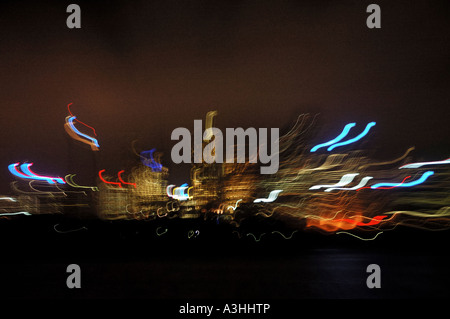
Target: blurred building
[(140, 199), (20, 204), (238, 183), (206, 182)]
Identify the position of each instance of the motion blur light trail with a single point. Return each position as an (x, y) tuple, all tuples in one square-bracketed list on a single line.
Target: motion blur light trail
[(9, 199), (385, 187), (76, 134), (343, 134), (51, 180), (272, 197), (358, 237), (28, 174), (17, 213), (417, 165), (148, 160), (336, 141), (422, 179), (355, 139), (345, 180), (375, 220), (70, 112), (69, 181), (122, 181), (100, 174), (180, 193), (361, 184), (311, 191)]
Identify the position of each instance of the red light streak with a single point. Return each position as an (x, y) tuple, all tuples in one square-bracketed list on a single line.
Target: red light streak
[(47, 177), (123, 182), (376, 220), (105, 181), (20, 173), (93, 129)]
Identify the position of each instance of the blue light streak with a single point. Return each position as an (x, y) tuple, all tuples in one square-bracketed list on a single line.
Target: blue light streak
[(335, 140), (13, 169), (355, 139), (150, 161), (70, 121), (25, 168), (28, 174), (422, 179)]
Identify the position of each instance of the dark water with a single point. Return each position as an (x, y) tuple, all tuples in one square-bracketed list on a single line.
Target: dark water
[(130, 260)]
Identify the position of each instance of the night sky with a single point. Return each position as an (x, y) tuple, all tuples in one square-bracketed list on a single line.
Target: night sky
[(136, 70)]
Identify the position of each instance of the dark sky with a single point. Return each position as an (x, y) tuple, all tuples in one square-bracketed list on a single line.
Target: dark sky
[(139, 69)]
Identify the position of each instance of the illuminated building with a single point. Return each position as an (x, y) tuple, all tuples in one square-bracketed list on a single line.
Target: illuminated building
[(238, 183), (138, 198), (206, 183), (216, 186)]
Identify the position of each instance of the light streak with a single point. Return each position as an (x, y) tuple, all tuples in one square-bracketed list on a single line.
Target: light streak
[(178, 192), (335, 140), (105, 181), (76, 134), (409, 150), (157, 213), (289, 237), (160, 234), (25, 169), (28, 174), (16, 213), (254, 237), (355, 139), (13, 169), (365, 239), (150, 161), (235, 206), (345, 180), (420, 164), (208, 125), (46, 192), (264, 214), (68, 231), (93, 129), (422, 179), (172, 209), (16, 189), (272, 197), (443, 212), (374, 221), (330, 162), (192, 233), (51, 180), (189, 189), (69, 180), (70, 121), (169, 190), (122, 181), (388, 187), (126, 208), (9, 199), (330, 225), (361, 184)]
